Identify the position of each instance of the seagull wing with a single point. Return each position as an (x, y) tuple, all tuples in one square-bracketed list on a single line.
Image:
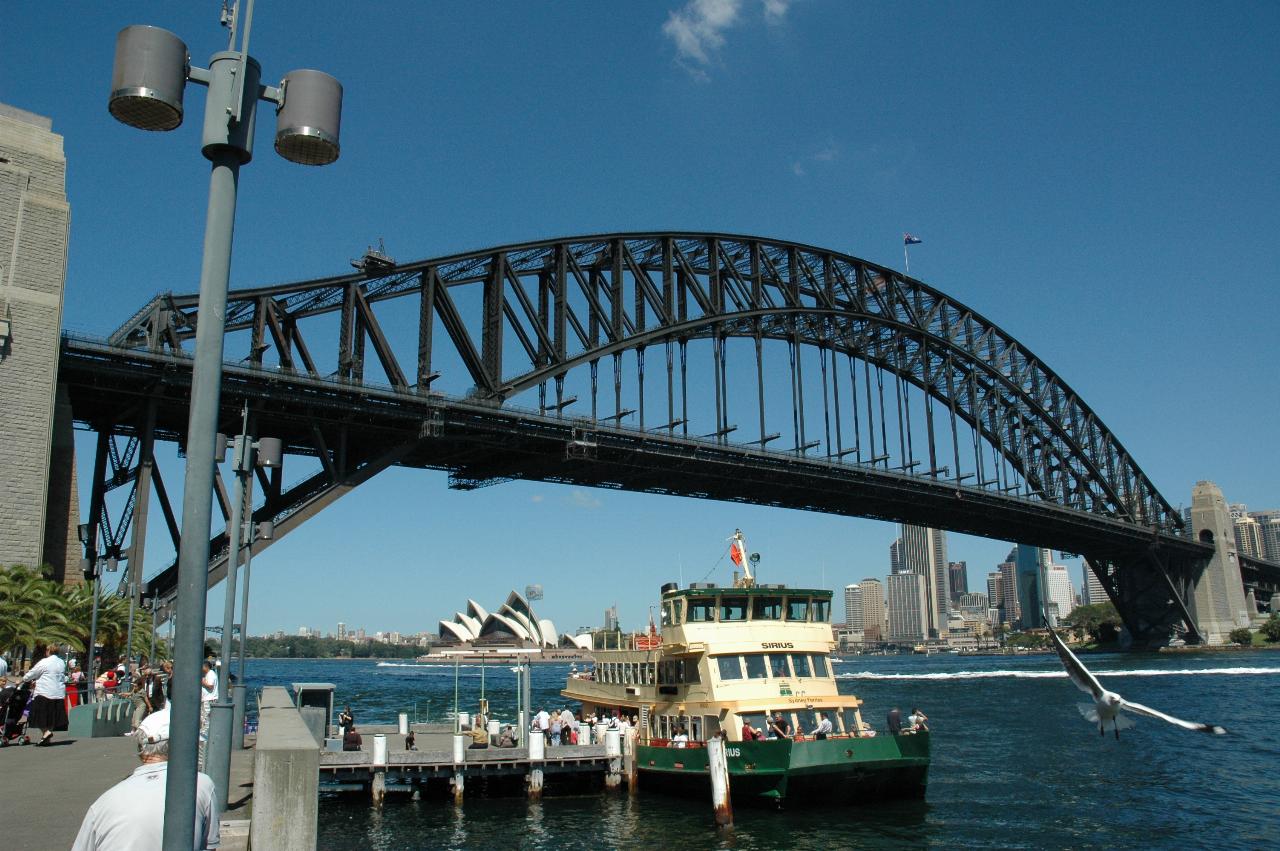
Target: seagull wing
[(1139, 709), (1078, 673)]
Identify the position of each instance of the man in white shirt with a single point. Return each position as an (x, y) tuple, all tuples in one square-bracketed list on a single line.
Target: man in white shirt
[(130, 815), (208, 694), (543, 720), (824, 727)]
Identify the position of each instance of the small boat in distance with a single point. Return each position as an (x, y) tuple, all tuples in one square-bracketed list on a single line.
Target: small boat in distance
[(749, 663)]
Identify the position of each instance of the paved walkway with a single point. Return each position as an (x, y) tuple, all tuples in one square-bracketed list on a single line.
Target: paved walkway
[(46, 791)]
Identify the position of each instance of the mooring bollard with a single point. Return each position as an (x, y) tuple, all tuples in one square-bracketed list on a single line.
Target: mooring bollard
[(403, 727), (629, 759), (459, 763), (537, 755), (613, 751), (379, 785), (718, 762)]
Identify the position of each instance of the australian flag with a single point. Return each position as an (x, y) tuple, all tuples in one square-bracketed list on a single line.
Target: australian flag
[(908, 239)]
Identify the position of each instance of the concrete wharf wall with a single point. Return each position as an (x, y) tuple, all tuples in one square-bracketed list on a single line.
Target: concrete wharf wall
[(286, 777)]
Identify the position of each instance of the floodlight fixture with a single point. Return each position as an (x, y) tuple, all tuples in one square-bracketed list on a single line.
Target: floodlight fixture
[(270, 452), (309, 118), (148, 78)]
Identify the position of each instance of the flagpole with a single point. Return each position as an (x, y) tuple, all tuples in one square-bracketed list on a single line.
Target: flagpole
[(906, 257)]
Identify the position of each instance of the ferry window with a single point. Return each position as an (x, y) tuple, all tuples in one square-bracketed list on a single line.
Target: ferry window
[(778, 666), (695, 728), (710, 725), (636, 673), (808, 719), (820, 666), (800, 663), (702, 611), (626, 674), (822, 611), (766, 609), (650, 673), (691, 671), (797, 608), (730, 667), (666, 614), (755, 666), (733, 609), (664, 728)]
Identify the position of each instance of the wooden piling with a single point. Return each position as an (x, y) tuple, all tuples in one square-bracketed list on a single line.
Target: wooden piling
[(537, 755), (613, 751), (629, 767), (718, 762), (459, 782)]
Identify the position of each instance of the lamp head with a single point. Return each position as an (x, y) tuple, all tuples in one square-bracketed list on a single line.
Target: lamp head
[(309, 119), (148, 78)]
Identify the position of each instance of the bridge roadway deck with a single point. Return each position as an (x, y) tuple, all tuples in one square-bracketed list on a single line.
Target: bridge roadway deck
[(480, 444)]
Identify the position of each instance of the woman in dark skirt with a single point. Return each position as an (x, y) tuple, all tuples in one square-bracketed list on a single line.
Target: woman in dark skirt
[(49, 705)]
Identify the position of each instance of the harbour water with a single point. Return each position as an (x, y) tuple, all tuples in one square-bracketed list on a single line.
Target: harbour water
[(1014, 763)]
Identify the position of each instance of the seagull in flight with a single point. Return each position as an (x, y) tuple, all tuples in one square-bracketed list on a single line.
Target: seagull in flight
[(1106, 705)]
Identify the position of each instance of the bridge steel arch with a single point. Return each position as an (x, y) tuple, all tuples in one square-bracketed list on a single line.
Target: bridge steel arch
[(999, 445)]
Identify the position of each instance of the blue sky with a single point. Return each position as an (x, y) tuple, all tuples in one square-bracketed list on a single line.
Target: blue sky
[(1100, 180)]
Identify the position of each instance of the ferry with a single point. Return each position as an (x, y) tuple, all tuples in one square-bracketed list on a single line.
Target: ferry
[(727, 661)]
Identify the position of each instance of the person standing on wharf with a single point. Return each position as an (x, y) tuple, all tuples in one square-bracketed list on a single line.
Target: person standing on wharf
[(130, 815)]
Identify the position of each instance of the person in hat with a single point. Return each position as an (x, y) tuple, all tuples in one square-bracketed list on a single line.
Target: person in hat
[(130, 815)]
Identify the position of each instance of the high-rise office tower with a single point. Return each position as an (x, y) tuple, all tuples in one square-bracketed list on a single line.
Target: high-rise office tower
[(1248, 536), (993, 589), (908, 607), (957, 579), (1009, 589), (872, 594), (1093, 591), (923, 551), (853, 606), (1060, 596)]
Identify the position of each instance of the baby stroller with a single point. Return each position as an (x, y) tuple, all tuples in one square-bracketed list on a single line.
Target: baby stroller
[(13, 714)]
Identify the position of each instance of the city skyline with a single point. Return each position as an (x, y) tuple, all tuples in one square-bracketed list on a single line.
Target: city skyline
[(1091, 247)]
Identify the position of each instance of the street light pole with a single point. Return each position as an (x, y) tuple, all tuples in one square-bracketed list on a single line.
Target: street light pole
[(151, 70)]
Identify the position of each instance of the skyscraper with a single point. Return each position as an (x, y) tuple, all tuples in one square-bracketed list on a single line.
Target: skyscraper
[(993, 589), (1094, 593), (872, 594), (923, 551), (1248, 536), (342, 631), (1060, 595), (907, 607), (957, 579), (853, 606), (1031, 593), (1009, 589)]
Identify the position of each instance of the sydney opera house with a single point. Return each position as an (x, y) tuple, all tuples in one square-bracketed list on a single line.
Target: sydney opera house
[(513, 627)]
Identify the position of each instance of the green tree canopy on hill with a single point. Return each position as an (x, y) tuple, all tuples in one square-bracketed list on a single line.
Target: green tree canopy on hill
[(1100, 621)]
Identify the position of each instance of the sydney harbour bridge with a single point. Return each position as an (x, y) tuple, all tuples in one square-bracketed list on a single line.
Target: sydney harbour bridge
[(697, 364)]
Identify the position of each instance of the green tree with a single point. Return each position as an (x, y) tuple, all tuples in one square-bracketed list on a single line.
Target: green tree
[(1101, 621), (1271, 629), (1240, 636)]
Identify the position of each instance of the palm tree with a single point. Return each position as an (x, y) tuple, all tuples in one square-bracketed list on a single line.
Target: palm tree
[(33, 610)]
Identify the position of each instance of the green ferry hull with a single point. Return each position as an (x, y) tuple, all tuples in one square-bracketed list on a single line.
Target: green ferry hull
[(797, 773)]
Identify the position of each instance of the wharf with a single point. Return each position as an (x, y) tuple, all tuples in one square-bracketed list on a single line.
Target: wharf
[(354, 770), (47, 791)]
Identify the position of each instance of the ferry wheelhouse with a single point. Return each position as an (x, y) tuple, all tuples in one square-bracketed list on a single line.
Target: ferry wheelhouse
[(729, 659)]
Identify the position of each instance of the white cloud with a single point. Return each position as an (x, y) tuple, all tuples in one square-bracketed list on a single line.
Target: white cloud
[(775, 11), (698, 28), (829, 152), (584, 499)]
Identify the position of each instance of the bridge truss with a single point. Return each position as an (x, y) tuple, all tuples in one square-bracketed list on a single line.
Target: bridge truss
[(703, 364)]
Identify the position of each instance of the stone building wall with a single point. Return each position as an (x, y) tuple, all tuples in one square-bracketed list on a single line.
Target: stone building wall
[(34, 225)]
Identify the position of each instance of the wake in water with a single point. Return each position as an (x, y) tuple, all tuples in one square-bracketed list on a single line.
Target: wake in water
[(1045, 675)]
